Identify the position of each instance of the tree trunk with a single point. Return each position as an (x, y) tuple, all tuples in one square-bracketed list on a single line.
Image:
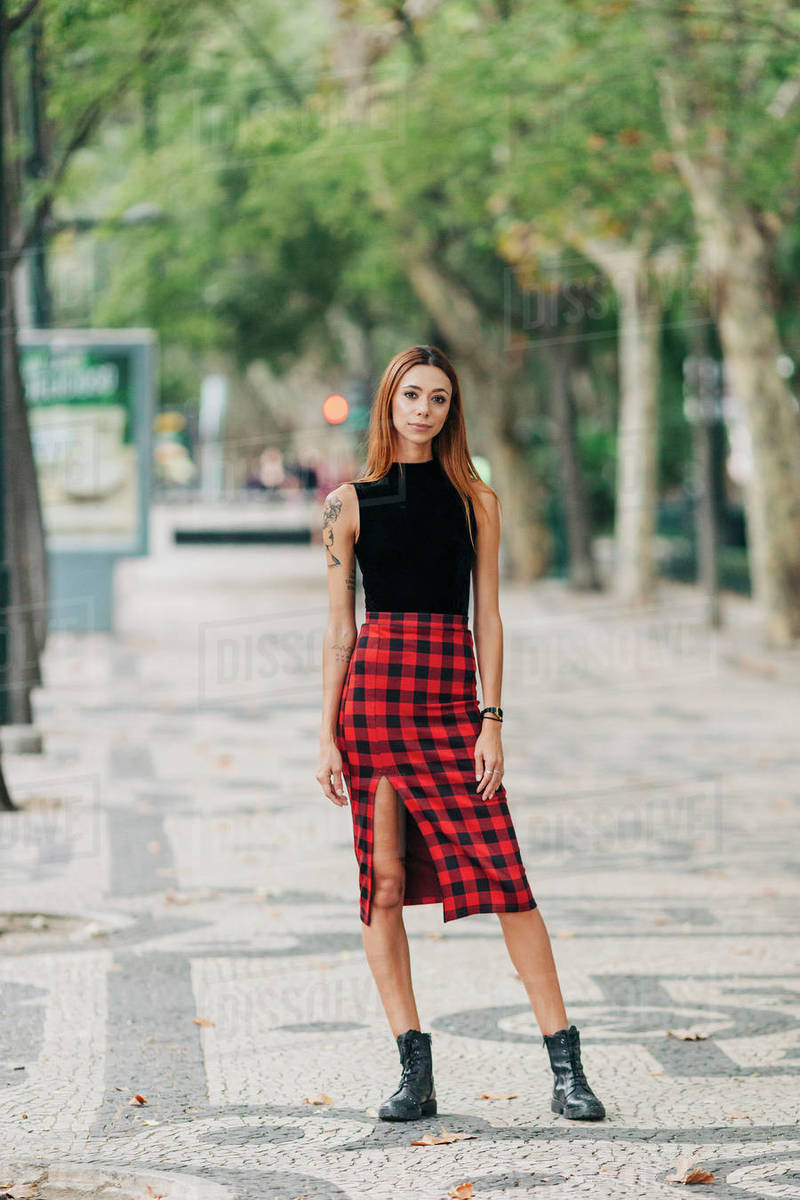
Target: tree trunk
[(25, 547), (637, 444), (24, 538), (526, 539), (6, 803), (737, 257), (581, 566), (628, 268), (749, 338)]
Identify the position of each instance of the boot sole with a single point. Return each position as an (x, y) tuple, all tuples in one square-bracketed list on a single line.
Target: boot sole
[(426, 1109), (557, 1107)]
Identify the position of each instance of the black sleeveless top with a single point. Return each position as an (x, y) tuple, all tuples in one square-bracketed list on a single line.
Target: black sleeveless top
[(413, 546)]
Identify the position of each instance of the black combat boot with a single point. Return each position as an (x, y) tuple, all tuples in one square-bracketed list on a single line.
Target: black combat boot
[(572, 1095), (415, 1096)]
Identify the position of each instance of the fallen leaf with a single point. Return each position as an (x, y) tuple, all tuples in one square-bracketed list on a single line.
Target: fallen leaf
[(440, 1139), (498, 1095), (224, 760), (203, 1021), (319, 1098), (699, 1175), (137, 1099), (462, 1191), (155, 847), (687, 1035), (686, 1171), (565, 933), (738, 1116), (155, 1195)]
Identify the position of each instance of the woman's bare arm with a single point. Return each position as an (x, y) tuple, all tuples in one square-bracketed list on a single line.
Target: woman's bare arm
[(487, 624), (339, 517), (488, 636)]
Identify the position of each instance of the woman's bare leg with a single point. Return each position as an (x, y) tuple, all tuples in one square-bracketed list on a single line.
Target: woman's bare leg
[(385, 940), (529, 948)]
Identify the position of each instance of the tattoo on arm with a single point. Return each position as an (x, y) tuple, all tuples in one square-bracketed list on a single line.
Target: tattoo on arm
[(351, 579), (333, 506), (343, 651), (333, 561)]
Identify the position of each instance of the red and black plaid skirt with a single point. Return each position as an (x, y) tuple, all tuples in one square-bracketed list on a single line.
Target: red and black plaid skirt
[(409, 710)]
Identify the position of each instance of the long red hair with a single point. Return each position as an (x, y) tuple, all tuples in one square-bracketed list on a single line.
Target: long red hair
[(450, 443)]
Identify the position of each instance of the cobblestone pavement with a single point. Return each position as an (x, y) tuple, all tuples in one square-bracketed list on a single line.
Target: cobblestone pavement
[(181, 908)]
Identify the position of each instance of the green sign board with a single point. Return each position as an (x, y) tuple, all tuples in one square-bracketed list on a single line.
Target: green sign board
[(90, 401)]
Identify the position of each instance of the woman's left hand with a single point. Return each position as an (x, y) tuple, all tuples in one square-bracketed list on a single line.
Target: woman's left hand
[(489, 758)]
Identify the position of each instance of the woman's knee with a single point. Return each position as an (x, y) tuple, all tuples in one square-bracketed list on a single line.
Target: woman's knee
[(388, 887)]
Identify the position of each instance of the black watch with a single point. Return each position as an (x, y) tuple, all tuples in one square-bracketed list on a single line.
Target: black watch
[(491, 708)]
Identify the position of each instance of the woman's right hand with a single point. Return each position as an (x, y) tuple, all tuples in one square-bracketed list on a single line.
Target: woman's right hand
[(329, 773)]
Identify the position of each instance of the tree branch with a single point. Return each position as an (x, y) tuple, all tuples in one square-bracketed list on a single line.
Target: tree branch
[(19, 18), (256, 46), (84, 126), (400, 14)]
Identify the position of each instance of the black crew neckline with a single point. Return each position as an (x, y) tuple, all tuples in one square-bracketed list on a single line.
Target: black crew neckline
[(423, 462)]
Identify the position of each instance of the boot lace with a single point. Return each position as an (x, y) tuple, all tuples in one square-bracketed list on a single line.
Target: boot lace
[(413, 1066), (577, 1072), (578, 1077)]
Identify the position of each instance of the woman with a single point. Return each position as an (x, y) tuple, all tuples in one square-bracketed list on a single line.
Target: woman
[(401, 721)]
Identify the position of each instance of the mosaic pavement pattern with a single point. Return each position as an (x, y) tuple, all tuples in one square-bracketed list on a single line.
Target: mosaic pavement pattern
[(180, 908)]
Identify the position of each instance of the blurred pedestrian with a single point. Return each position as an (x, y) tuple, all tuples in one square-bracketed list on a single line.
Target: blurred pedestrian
[(271, 470)]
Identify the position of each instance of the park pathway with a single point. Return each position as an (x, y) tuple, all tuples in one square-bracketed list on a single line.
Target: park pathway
[(180, 909)]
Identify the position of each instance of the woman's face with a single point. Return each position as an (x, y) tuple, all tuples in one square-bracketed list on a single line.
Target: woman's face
[(420, 405)]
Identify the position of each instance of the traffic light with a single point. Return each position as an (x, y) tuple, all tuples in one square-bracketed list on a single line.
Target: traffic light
[(335, 409)]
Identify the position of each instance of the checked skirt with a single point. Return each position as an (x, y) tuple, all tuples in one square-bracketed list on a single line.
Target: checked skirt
[(409, 710)]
